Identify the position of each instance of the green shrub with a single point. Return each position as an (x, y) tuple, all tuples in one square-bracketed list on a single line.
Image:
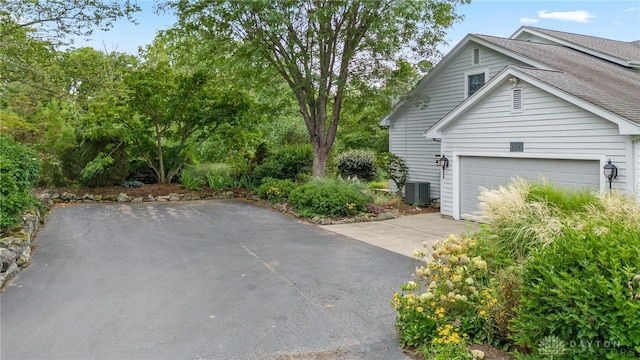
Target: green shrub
[(276, 190), (329, 197), (220, 182), (286, 162), (19, 170), (581, 289), (190, 182), (571, 284), (51, 172), (357, 163)]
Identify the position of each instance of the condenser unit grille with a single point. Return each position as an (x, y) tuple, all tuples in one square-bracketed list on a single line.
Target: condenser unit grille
[(417, 193)]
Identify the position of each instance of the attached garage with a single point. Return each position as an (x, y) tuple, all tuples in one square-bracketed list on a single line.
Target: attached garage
[(478, 172), (517, 125)]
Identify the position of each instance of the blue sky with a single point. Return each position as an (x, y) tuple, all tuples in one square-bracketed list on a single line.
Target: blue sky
[(613, 19)]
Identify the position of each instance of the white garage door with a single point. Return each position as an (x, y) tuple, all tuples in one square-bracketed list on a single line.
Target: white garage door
[(490, 172)]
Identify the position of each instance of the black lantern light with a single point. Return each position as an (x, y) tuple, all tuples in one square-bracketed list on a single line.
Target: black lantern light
[(443, 162), (610, 172)]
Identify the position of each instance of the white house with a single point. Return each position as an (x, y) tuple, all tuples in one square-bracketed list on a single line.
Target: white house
[(540, 103)]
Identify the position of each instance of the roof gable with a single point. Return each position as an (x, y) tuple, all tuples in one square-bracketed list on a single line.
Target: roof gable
[(440, 66), (535, 77), (612, 87)]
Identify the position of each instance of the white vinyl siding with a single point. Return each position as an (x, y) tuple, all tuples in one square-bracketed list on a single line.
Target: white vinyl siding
[(444, 92), (547, 125)]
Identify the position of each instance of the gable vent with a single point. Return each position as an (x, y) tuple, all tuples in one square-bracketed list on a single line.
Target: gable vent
[(517, 99), (475, 58)]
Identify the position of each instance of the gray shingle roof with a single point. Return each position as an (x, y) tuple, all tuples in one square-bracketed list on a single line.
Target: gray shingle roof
[(620, 49), (609, 86)]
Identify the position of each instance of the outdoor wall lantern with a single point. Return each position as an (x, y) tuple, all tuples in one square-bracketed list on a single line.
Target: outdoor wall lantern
[(443, 162), (610, 172)]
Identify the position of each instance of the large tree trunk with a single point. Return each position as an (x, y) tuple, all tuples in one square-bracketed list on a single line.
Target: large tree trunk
[(161, 173), (320, 154)]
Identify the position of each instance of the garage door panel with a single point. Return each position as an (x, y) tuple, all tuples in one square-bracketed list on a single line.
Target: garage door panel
[(491, 172)]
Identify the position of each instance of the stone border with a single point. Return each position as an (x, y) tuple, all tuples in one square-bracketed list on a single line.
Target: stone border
[(50, 198), (67, 197), (15, 251)]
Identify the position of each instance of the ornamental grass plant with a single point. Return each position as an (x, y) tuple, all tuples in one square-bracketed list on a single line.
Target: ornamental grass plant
[(522, 216)]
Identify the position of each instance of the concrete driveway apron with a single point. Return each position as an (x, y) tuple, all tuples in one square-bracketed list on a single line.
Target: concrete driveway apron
[(405, 234), (199, 280)]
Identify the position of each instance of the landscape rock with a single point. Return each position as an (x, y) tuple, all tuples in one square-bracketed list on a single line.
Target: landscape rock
[(137, 200), (190, 197), (44, 198), (387, 216), (66, 196), (149, 198), (31, 222), (7, 258), (122, 197), (174, 197)]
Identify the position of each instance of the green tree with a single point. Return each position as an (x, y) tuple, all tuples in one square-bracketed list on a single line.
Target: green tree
[(29, 31), (176, 109), (366, 103), (319, 46), (57, 20)]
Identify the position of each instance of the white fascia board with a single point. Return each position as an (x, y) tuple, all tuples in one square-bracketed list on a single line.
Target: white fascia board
[(572, 45)]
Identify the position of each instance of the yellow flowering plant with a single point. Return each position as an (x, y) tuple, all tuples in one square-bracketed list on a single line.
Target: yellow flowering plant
[(449, 300)]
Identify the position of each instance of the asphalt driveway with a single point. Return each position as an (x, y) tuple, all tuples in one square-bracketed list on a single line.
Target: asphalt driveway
[(199, 280)]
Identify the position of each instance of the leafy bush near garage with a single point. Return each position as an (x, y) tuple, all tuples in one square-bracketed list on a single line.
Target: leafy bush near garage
[(275, 190), (286, 162), (19, 171), (329, 197), (584, 288), (360, 164)]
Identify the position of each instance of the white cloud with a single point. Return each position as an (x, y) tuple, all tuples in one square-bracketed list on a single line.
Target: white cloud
[(525, 20), (632, 9), (578, 16)]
